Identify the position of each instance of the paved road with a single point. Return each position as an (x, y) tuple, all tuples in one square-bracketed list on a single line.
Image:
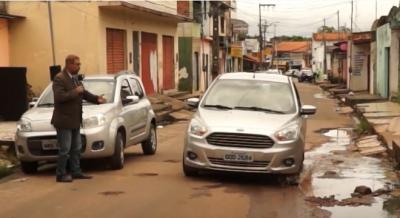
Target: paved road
[(154, 186)]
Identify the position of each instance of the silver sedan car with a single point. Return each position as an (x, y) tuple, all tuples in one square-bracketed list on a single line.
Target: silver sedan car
[(247, 122), (126, 119)]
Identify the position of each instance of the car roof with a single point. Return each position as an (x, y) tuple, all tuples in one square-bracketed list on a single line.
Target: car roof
[(110, 76), (256, 76)]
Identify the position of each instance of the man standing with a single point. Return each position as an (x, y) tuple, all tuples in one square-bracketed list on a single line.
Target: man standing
[(67, 118)]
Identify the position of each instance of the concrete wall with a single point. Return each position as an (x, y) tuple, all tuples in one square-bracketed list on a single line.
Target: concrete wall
[(4, 44), (79, 28), (359, 80), (383, 44), (318, 56), (394, 62), (373, 69), (131, 20), (76, 31), (163, 6)]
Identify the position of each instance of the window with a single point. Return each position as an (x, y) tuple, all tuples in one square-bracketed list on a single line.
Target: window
[(125, 91), (137, 88), (222, 27), (252, 93)]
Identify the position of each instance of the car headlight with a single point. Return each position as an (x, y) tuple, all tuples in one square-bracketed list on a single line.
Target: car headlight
[(94, 121), (288, 133), (196, 128), (24, 125)]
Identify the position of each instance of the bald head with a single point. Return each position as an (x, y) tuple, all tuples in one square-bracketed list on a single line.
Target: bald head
[(72, 64)]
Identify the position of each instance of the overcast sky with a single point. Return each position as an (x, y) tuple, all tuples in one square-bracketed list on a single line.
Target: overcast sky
[(303, 17)]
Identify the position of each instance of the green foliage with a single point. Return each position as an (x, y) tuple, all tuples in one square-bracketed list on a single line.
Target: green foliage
[(4, 171), (326, 29), (291, 38), (363, 127)]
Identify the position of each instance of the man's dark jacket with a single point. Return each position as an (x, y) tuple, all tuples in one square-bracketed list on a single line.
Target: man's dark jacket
[(67, 112)]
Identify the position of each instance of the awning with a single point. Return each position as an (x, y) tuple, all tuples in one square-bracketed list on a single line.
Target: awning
[(250, 58), (143, 9), (10, 16)]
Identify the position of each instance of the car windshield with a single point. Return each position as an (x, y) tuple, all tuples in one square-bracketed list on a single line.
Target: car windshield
[(97, 87), (254, 95)]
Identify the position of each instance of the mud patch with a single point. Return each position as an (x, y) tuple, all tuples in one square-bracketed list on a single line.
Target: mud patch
[(392, 205), (330, 174), (172, 161), (207, 187), (330, 201), (146, 174), (111, 193), (336, 171)]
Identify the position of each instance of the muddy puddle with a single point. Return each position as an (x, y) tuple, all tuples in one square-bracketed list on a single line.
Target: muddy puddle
[(332, 169)]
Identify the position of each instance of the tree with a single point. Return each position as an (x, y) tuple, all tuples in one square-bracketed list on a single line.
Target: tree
[(290, 38), (326, 29), (344, 29)]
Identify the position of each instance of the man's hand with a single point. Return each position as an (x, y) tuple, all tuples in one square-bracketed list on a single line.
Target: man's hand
[(79, 89), (101, 99)]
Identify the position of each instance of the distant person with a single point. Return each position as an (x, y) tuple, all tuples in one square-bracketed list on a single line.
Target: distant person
[(67, 118)]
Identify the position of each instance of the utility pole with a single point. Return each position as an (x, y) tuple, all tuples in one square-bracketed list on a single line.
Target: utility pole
[(215, 7), (51, 31), (260, 38), (338, 31), (323, 35), (275, 49), (351, 44)]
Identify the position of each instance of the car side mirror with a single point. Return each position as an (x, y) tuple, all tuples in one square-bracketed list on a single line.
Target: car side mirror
[(193, 102), (131, 99), (308, 110), (33, 102)]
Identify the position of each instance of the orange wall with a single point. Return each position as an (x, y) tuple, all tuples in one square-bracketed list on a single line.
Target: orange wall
[(4, 46)]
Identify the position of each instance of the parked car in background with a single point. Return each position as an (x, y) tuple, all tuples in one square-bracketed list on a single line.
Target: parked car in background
[(107, 129), (292, 72), (247, 122), (306, 75), (271, 71)]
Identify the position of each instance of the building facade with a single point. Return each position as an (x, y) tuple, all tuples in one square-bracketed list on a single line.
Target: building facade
[(140, 36)]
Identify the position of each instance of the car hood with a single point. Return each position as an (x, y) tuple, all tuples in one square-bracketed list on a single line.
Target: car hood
[(40, 117), (243, 120)]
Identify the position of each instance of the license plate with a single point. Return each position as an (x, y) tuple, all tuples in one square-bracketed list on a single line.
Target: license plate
[(238, 157), (49, 145)]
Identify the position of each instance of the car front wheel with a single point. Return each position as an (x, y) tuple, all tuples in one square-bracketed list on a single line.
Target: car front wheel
[(149, 146), (188, 170), (118, 159)]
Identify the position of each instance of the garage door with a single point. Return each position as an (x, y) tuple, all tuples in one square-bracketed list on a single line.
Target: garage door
[(168, 63), (116, 50), (149, 62)]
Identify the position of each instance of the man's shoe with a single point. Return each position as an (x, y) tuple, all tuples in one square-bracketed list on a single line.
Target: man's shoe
[(81, 176), (64, 178)]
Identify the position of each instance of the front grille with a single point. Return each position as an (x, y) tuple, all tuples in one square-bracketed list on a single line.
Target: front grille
[(221, 161), (240, 140), (35, 146)]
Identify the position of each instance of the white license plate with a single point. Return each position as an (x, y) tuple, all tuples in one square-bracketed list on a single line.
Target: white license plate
[(238, 157), (49, 144)]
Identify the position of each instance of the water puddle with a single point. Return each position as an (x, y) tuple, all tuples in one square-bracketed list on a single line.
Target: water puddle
[(334, 170), (320, 96)]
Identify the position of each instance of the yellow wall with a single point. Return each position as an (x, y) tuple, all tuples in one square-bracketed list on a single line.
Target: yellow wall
[(79, 28), (4, 46), (75, 32)]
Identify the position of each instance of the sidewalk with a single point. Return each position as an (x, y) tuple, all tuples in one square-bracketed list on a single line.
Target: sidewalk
[(382, 115), (7, 132)]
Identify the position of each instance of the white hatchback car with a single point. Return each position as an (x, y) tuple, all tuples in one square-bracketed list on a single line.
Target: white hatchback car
[(247, 122)]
